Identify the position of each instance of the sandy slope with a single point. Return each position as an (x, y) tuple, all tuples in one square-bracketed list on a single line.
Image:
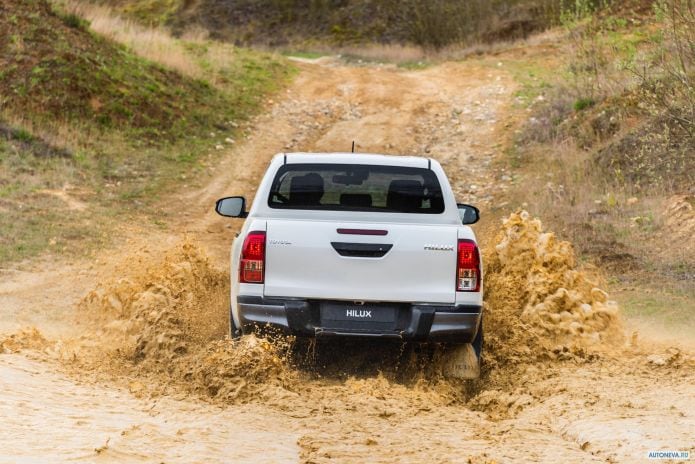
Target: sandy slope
[(68, 397)]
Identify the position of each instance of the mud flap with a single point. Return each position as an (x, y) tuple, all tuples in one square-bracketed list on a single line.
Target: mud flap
[(460, 362)]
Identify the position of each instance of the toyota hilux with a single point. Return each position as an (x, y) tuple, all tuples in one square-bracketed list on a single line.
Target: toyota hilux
[(356, 245)]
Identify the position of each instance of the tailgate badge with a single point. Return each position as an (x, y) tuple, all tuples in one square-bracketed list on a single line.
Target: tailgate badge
[(439, 247), (358, 313), (279, 242)]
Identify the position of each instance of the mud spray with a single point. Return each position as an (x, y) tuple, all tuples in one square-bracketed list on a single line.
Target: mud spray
[(538, 303), (164, 325)]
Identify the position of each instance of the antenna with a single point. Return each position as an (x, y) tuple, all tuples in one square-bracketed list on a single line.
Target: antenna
[(353, 146)]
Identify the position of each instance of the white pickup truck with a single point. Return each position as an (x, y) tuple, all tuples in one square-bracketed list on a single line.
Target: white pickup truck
[(356, 245)]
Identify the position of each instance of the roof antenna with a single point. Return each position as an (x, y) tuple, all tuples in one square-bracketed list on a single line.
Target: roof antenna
[(353, 146)]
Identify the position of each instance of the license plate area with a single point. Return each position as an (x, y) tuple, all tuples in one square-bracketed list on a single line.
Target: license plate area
[(367, 317)]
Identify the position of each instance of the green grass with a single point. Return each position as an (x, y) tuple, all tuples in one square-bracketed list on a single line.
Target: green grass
[(304, 54), (152, 12), (534, 79), (33, 220), (63, 73), (674, 309), (583, 103)]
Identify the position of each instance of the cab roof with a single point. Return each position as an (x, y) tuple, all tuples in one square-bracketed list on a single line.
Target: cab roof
[(356, 158)]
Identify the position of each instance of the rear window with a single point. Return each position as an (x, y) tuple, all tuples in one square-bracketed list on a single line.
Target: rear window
[(356, 187)]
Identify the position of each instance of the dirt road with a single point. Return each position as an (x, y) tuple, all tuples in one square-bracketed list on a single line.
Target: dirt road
[(121, 362)]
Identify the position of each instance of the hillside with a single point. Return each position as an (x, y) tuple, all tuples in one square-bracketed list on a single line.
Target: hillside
[(605, 154), (433, 24), (87, 124), (56, 69)]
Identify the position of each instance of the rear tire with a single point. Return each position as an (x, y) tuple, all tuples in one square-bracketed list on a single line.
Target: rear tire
[(234, 331), (478, 340), (462, 362)]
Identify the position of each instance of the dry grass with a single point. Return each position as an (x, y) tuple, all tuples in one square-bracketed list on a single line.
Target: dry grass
[(57, 133), (603, 155), (155, 44), (413, 56), (387, 52), (192, 55), (433, 24)]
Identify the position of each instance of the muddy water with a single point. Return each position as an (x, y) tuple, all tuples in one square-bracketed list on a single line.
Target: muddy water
[(50, 418)]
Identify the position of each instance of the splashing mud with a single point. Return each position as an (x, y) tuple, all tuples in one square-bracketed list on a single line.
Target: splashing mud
[(159, 332), (27, 339), (540, 307), (161, 306), (168, 319), (536, 292)]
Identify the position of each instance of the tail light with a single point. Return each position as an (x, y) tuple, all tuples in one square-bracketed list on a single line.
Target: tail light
[(467, 267), (252, 263)]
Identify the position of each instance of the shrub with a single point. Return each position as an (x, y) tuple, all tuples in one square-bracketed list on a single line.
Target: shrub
[(74, 21), (668, 79), (583, 103)]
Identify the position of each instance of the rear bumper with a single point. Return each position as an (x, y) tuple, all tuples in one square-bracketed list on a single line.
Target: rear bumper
[(416, 322)]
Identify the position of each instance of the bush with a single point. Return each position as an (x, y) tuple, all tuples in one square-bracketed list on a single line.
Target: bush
[(583, 103), (74, 21), (668, 80)]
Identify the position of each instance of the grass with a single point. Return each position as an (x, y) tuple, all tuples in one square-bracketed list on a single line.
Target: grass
[(153, 13), (414, 65), (76, 76), (583, 103), (307, 55), (101, 112), (403, 56), (534, 78), (35, 217), (153, 44), (412, 57), (673, 310)]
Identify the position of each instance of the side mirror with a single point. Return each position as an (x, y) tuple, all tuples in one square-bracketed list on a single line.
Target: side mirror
[(231, 207), (469, 214)]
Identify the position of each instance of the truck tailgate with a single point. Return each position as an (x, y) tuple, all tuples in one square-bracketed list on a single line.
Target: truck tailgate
[(409, 263)]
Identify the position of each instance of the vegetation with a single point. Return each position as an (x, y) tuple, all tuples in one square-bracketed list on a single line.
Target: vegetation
[(91, 128), (610, 147), (433, 24)]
